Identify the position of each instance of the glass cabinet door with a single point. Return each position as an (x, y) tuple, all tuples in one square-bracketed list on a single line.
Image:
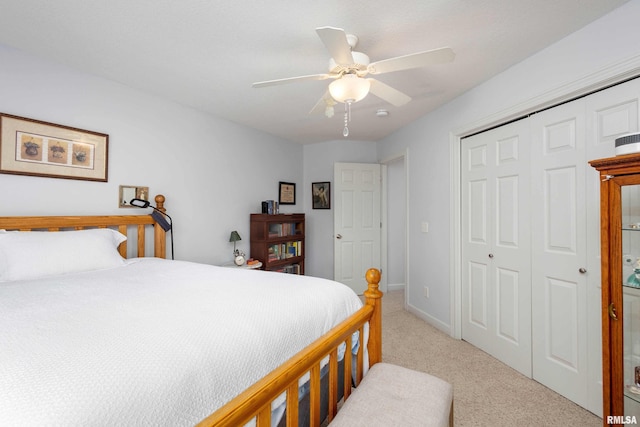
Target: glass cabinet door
[(630, 210)]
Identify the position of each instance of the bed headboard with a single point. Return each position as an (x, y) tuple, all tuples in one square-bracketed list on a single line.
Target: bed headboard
[(120, 222)]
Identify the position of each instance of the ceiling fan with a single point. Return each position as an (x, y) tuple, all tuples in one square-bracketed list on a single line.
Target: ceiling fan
[(348, 68)]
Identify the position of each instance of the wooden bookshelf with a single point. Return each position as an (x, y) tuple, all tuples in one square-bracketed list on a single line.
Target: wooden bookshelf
[(278, 242)]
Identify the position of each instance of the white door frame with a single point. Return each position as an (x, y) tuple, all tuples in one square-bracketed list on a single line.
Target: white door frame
[(385, 199), (607, 76)]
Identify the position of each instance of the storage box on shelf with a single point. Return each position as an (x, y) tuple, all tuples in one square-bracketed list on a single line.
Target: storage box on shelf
[(278, 241)]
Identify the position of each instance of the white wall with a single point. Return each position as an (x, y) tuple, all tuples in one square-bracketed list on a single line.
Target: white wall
[(318, 166), (606, 42), (212, 172)]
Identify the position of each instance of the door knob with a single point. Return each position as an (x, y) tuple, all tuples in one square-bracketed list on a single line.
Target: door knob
[(339, 236), (490, 255), (582, 270)]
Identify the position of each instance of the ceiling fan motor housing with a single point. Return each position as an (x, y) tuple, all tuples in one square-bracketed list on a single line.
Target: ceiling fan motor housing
[(361, 62)]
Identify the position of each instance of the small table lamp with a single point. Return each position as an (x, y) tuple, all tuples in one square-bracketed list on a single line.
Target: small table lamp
[(239, 255), (234, 238)]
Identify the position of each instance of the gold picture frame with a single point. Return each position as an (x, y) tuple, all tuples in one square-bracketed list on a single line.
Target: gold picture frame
[(37, 148)]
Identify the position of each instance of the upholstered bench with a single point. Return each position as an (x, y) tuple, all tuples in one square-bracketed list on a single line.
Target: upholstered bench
[(391, 395)]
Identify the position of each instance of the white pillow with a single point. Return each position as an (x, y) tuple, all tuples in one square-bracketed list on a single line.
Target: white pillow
[(33, 254)]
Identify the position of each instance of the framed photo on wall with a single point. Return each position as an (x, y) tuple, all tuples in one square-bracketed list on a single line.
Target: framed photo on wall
[(287, 193), (36, 148), (321, 192)]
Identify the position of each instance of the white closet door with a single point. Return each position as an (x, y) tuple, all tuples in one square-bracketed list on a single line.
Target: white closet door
[(563, 202), (496, 308), (610, 113), (559, 280)]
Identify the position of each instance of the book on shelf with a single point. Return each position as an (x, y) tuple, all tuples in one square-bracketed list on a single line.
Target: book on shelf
[(283, 229), (270, 207), (285, 250)]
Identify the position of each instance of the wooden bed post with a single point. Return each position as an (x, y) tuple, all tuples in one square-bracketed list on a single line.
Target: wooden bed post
[(373, 297), (159, 235)]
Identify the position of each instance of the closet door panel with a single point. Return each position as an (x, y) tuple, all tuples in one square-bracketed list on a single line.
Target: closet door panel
[(562, 344), (558, 290), (507, 193), (560, 216), (610, 114), (477, 293), (496, 314), (508, 319)]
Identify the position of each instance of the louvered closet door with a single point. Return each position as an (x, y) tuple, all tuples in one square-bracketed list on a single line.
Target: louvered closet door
[(496, 306)]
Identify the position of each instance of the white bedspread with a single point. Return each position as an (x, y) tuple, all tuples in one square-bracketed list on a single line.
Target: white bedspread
[(155, 342)]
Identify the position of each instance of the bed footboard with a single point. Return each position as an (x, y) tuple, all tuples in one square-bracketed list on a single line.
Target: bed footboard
[(255, 402)]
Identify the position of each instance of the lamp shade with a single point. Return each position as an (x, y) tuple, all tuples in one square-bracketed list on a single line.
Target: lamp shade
[(349, 88), (234, 236)]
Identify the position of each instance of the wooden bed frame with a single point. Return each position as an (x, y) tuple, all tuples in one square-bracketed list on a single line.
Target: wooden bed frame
[(254, 402)]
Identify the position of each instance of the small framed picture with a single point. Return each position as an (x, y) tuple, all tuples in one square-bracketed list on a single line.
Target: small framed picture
[(321, 195), (287, 193)]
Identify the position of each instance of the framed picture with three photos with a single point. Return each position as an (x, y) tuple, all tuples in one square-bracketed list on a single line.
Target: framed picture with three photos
[(37, 148)]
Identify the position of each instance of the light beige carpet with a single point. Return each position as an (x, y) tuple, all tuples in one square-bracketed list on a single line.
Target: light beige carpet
[(486, 391)]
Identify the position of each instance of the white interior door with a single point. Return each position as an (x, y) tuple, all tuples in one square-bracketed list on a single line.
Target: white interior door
[(496, 306), (357, 189), (559, 280)]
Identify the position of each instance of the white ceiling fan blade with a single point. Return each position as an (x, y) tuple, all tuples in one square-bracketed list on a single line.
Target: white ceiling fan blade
[(389, 94), (293, 80), (414, 60), (335, 40), (323, 103)]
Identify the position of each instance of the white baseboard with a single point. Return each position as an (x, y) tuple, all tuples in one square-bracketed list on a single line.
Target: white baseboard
[(395, 286), (430, 319)]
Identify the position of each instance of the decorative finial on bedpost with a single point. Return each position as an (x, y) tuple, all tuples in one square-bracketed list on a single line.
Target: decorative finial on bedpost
[(373, 297), (160, 203)]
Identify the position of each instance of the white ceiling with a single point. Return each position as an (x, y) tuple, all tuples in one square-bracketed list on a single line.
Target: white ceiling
[(207, 53)]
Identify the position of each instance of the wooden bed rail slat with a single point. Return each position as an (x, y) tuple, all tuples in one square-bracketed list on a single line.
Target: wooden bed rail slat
[(333, 383), (122, 249), (264, 417), (360, 359), (292, 405), (247, 404), (347, 371), (314, 396), (141, 241)]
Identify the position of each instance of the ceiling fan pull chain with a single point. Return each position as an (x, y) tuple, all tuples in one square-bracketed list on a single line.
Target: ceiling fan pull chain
[(347, 117)]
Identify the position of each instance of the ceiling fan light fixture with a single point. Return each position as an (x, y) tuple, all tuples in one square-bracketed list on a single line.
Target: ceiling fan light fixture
[(349, 88)]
